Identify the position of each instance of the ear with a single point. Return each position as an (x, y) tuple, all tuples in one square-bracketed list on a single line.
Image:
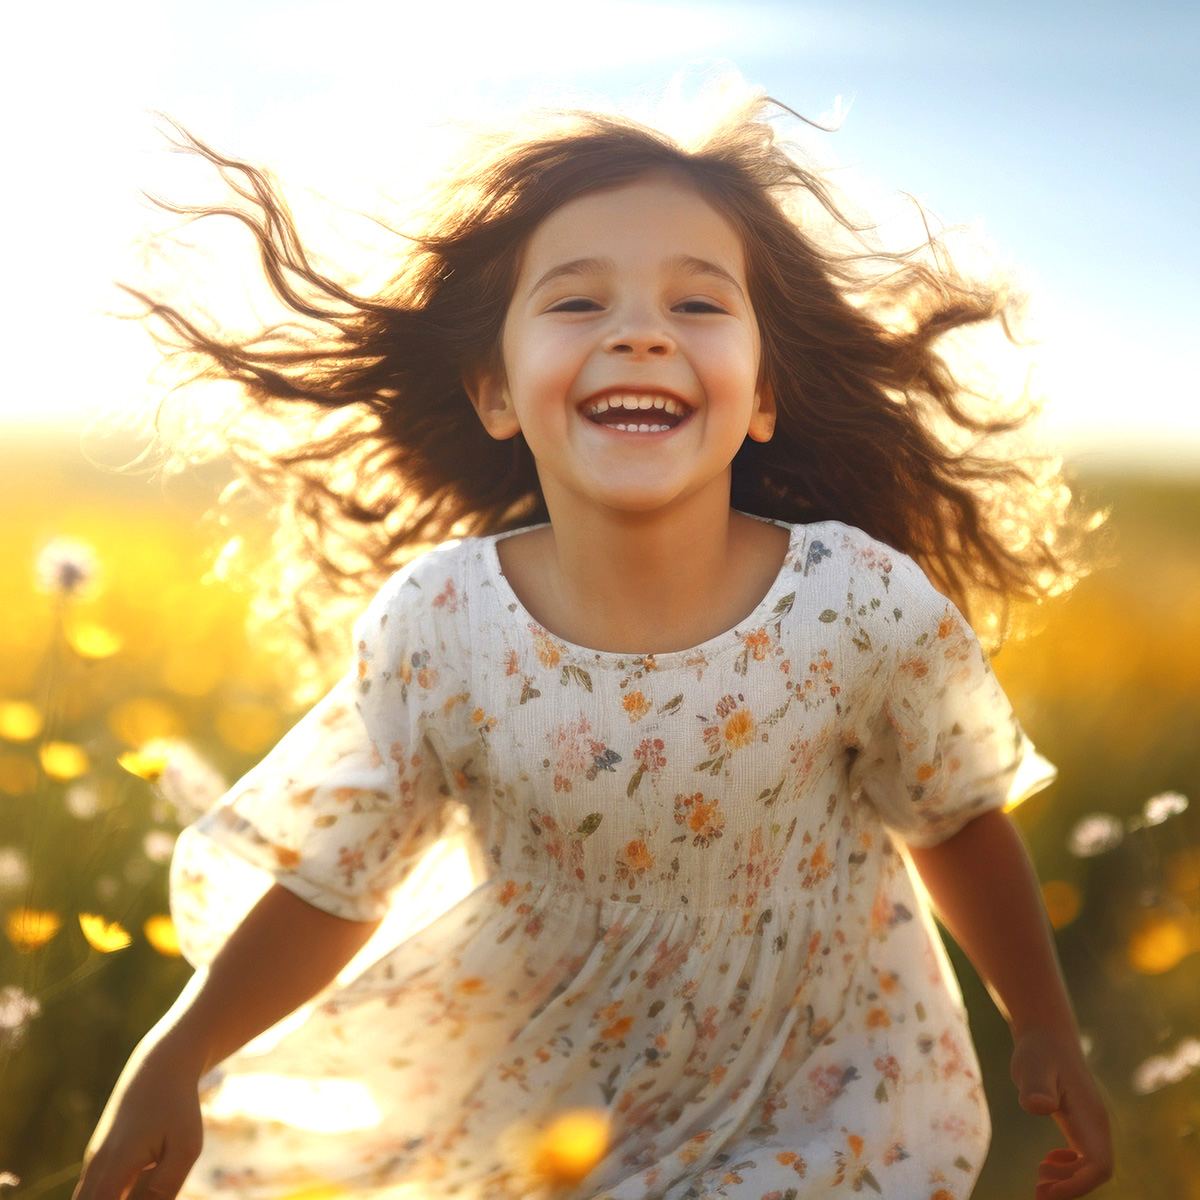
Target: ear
[(762, 420), (492, 402)]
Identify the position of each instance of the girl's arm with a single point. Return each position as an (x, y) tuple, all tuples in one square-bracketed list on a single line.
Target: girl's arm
[(983, 886), (282, 954)]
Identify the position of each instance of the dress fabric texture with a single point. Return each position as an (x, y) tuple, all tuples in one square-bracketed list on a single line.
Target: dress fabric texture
[(669, 887)]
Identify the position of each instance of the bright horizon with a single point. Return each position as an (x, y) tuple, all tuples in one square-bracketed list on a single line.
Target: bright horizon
[(1011, 120)]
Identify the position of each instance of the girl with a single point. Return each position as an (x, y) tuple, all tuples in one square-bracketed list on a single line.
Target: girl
[(689, 694)]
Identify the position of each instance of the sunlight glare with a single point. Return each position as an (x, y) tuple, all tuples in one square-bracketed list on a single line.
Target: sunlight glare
[(321, 1105)]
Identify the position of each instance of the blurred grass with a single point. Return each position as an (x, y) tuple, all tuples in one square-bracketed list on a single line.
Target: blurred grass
[(1107, 686)]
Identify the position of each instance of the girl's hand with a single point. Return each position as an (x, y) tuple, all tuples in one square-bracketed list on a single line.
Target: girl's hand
[(1053, 1080), (150, 1132)]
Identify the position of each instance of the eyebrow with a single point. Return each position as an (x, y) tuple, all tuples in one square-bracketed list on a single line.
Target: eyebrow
[(688, 264)]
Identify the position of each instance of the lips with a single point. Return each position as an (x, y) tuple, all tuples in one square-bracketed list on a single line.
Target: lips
[(637, 412)]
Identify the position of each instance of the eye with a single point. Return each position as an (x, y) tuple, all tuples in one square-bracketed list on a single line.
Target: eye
[(574, 304), (700, 306)]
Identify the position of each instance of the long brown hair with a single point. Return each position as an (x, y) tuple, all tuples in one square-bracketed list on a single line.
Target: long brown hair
[(378, 452)]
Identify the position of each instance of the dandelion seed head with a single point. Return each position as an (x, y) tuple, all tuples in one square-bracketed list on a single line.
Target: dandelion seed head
[(66, 567), (1162, 807), (14, 869), (82, 801), (158, 845), (17, 1010), (1095, 834), (1165, 1069)]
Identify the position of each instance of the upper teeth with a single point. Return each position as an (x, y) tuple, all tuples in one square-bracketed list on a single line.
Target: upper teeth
[(666, 403)]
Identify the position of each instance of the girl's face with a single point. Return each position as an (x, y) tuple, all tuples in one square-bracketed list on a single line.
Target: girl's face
[(630, 351)]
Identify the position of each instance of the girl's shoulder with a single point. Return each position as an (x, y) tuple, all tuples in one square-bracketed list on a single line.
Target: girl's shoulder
[(868, 568), (433, 584)]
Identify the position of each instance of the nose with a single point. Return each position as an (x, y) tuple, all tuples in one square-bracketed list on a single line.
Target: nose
[(637, 335)]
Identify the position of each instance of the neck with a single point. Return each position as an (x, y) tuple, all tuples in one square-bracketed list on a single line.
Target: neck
[(642, 583)]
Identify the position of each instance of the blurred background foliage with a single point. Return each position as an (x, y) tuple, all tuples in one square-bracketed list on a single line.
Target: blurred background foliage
[(117, 634)]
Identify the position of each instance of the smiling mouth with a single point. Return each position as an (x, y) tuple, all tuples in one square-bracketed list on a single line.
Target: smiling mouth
[(637, 412)]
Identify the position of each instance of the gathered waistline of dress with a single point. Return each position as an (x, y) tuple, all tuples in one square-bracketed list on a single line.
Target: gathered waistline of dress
[(511, 885)]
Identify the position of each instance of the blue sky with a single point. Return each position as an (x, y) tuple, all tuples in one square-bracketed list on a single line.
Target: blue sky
[(1065, 129)]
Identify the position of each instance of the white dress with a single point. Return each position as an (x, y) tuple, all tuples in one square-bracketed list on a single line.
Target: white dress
[(666, 886)]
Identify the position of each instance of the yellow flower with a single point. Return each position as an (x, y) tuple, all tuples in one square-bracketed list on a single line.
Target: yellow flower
[(102, 935), (161, 934), (90, 640), (148, 763), (18, 774), (1062, 902), (636, 705), (316, 1191), (20, 721), (141, 719), (571, 1146), (1159, 942), (739, 729), (248, 727), (64, 760), (29, 928)]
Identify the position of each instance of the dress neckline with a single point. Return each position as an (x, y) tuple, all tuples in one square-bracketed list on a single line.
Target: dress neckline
[(762, 612)]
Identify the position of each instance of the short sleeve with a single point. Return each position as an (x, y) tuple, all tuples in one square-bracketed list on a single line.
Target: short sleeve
[(343, 808), (944, 745)]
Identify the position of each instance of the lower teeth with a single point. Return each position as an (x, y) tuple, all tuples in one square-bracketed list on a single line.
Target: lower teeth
[(642, 428)]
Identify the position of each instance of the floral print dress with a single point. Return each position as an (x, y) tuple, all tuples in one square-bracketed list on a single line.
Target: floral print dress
[(668, 887)]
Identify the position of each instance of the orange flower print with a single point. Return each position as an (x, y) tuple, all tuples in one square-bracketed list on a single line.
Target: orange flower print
[(486, 724), (633, 861), (649, 755), (815, 868), (617, 1030), (756, 643), (703, 817), (285, 856), (572, 752), (546, 648), (739, 729), (668, 958), (888, 1066), (635, 705), (351, 862), (447, 598), (878, 1018)]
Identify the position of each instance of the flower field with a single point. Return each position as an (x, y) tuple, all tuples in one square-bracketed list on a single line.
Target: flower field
[(129, 691)]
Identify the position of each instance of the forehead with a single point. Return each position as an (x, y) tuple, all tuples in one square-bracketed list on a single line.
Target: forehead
[(654, 218)]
